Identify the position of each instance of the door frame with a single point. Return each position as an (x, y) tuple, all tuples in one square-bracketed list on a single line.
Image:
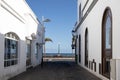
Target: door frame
[(79, 48), (30, 44), (86, 47), (107, 13)]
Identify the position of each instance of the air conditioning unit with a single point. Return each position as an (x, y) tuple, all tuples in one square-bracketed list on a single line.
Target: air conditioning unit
[(115, 69)]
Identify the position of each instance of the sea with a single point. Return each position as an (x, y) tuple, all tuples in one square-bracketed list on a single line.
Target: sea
[(61, 54)]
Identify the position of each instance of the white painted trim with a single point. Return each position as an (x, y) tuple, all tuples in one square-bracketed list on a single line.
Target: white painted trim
[(34, 18), (29, 8), (8, 8)]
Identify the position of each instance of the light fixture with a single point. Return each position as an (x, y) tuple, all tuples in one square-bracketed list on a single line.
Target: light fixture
[(33, 36), (73, 32), (46, 20)]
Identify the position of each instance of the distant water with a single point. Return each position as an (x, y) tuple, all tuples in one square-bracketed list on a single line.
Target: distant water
[(61, 54)]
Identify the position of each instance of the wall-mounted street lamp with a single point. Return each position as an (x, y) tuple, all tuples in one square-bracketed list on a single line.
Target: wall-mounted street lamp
[(73, 32), (73, 39)]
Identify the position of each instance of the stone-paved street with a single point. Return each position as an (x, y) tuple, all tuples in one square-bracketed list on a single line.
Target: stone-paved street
[(56, 71)]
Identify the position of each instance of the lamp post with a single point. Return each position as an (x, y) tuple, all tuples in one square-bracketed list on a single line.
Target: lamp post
[(44, 20), (73, 39), (43, 38)]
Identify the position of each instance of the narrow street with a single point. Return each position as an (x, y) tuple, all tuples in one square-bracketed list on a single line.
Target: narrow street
[(58, 70)]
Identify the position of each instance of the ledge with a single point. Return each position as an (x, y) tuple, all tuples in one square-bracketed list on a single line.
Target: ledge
[(8, 8), (86, 14)]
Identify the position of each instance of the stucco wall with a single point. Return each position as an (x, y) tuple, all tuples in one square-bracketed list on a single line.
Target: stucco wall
[(93, 22), (1, 57), (10, 23), (22, 21)]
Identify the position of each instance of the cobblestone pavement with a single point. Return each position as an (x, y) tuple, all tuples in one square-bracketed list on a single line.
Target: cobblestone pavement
[(56, 71)]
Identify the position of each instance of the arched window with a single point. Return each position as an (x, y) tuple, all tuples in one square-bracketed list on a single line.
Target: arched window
[(11, 49), (106, 42)]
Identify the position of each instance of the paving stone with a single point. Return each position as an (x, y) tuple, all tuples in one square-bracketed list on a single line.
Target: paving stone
[(56, 71)]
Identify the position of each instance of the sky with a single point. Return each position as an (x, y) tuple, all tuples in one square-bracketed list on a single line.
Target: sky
[(62, 14)]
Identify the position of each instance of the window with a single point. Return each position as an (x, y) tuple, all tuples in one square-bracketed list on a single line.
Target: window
[(108, 31), (11, 49)]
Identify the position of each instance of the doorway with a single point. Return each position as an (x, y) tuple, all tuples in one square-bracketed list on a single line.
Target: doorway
[(28, 58), (79, 48), (86, 47), (106, 42)]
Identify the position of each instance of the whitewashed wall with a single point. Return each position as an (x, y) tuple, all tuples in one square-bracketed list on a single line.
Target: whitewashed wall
[(22, 21), (1, 57), (94, 24)]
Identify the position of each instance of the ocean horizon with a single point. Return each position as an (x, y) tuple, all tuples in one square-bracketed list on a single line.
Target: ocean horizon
[(61, 54)]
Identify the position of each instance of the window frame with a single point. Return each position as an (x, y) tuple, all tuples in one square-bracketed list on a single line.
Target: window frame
[(12, 38)]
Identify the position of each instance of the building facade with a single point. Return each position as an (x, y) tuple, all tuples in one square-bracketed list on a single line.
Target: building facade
[(21, 38), (96, 37)]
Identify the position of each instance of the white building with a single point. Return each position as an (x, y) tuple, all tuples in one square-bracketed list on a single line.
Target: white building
[(96, 37), (21, 38)]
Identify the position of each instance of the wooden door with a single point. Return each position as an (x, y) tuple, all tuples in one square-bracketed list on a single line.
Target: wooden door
[(106, 43)]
